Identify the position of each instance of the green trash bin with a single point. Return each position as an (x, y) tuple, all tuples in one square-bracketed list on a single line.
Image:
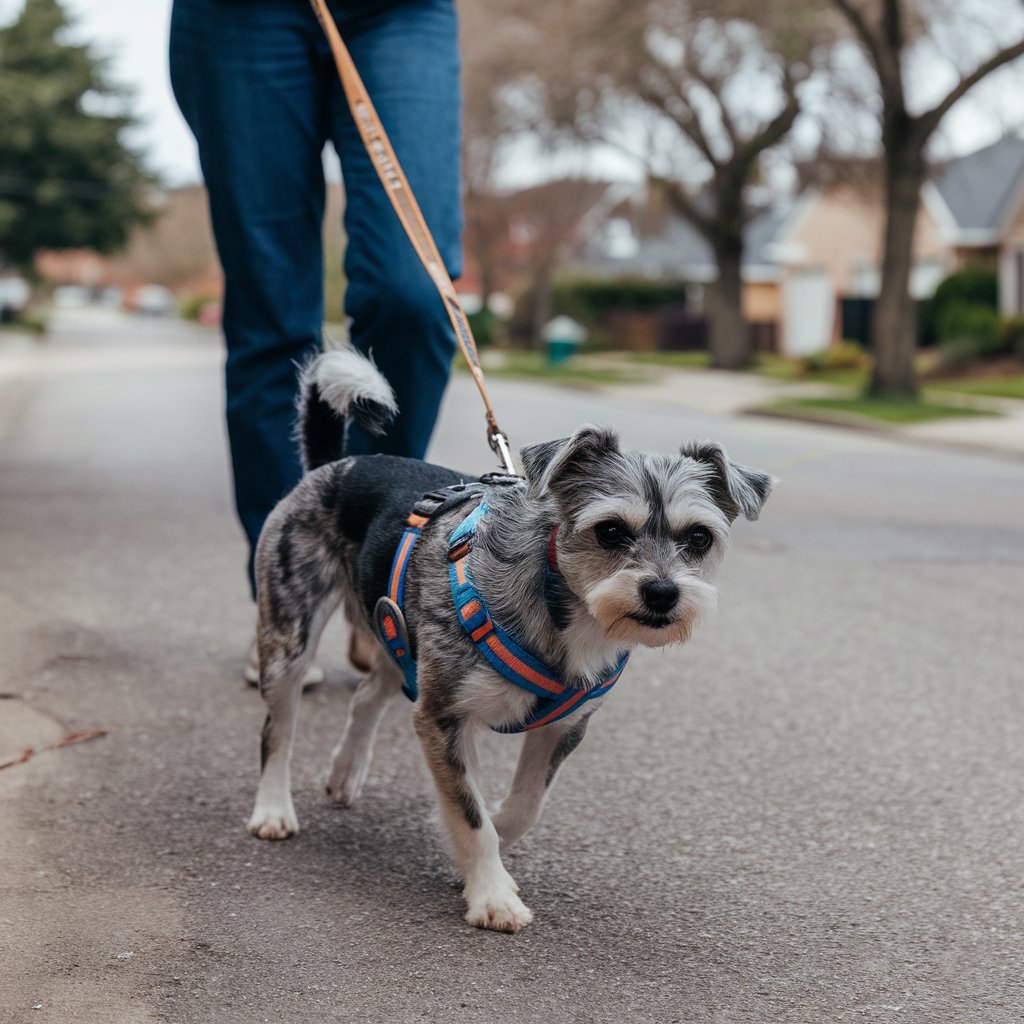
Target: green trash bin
[(563, 336)]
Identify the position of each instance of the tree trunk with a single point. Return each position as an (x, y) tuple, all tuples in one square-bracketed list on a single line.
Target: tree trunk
[(731, 342), (543, 295), (487, 277), (894, 321)]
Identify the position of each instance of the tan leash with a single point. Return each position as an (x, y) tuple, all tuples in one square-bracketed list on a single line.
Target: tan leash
[(392, 177)]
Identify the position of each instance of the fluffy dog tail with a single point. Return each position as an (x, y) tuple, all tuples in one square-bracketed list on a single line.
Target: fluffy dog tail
[(340, 383)]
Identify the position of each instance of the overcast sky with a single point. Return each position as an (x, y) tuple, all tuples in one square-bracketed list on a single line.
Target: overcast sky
[(134, 33)]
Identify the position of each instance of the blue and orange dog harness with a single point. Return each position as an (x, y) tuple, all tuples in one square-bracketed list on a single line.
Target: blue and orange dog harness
[(555, 699)]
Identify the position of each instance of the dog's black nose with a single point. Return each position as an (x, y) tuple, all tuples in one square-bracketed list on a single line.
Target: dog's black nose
[(660, 595)]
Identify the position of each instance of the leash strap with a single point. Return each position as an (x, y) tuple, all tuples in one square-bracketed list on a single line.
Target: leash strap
[(392, 177)]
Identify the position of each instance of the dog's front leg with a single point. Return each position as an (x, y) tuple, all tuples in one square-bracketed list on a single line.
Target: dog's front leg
[(543, 752), (490, 891)]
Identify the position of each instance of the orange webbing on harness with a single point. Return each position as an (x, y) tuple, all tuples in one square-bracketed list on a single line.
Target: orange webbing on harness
[(393, 179)]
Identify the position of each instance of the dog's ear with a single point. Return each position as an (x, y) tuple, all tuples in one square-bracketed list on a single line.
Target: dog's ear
[(552, 463), (735, 488)]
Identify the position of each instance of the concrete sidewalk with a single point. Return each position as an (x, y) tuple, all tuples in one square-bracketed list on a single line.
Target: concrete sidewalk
[(721, 393)]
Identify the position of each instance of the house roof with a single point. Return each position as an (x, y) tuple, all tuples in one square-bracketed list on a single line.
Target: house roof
[(980, 189), (670, 247)]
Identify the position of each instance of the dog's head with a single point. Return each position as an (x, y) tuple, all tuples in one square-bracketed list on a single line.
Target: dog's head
[(641, 536)]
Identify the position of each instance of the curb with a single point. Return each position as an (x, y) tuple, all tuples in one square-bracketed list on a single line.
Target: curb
[(887, 431)]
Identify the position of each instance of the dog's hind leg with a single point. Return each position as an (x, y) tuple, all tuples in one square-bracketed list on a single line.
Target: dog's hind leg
[(350, 761), (286, 647), (543, 752), (362, 645)]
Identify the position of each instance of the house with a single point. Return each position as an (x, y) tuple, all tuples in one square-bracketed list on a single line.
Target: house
[(638, 236), (978, 202), (829, 258), (812, 266)]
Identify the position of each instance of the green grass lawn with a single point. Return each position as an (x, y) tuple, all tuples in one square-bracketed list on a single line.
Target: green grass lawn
[(886, 410), (578, 370), (678, 360), (997, 387)]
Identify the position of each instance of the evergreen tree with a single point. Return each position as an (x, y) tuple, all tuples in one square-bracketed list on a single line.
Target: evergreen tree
[(66, 179)]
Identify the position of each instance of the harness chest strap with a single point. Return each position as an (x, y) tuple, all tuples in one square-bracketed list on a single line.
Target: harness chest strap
[(555, 698), (389, 620)]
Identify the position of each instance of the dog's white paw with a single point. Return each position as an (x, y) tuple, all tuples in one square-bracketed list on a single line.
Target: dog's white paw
[(345, 782), (498, 909), (274, 822)]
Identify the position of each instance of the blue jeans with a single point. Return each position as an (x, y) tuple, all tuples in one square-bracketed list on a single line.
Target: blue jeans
[(257, 86)]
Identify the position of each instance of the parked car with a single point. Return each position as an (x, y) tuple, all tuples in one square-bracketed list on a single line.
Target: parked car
[(110, 298), (15, 294), (154, 300), (71, 296)]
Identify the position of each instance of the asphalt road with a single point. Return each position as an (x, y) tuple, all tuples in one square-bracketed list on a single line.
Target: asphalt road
[(812, 813)]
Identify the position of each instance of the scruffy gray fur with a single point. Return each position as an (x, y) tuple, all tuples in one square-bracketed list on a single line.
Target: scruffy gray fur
[(639, 540)]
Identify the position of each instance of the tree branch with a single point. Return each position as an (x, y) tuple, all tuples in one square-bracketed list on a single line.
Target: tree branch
[(892, 25), (884, 51), (689, 122), (686, 206), (860, 25), (931, 118), (772, 132), (714, 90)]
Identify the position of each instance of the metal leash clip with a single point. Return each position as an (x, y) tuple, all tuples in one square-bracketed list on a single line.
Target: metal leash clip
[(499, 442)]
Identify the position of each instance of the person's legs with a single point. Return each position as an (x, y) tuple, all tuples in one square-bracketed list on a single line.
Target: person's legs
[(407, 55), (251, 80)]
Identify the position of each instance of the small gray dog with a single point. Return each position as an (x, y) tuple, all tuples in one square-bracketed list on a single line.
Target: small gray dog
[(518, 616)]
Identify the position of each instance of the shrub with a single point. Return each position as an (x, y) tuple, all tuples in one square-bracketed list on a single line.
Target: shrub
[(845, 356), (191, 306), (944, 317), (33, 319), (972, 286), (485, 326), (590, 300), (967, 333), (965, 320), (1011, 335)]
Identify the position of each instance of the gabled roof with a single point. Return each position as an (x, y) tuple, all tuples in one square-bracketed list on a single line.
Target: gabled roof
[(670, 247), (980, 189)]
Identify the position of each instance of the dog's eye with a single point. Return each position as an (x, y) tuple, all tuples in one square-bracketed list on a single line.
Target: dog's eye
[(612, 534), (698, 539)]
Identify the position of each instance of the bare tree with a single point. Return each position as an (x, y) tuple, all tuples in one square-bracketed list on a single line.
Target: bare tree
[(888, 32), (697, 92), (490, 43), (515, 238), (546, 224)]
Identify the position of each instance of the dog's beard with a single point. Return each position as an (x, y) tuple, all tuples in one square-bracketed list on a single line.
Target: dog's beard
[(616, 604)]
